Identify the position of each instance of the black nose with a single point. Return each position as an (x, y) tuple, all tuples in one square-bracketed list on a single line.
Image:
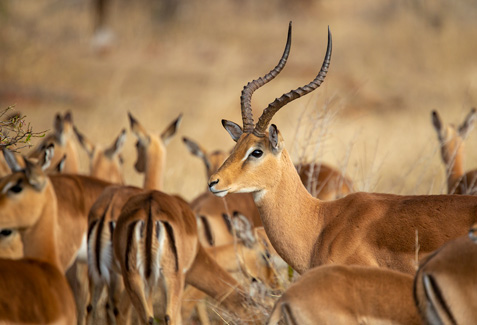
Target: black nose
[(213, 183)]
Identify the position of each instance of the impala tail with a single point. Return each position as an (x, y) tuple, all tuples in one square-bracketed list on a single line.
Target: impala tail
[(147, 243), (100, 248)]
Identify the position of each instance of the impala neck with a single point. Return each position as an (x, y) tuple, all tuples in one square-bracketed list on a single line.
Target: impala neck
[(39, 241), (154, 174), (290, 216)]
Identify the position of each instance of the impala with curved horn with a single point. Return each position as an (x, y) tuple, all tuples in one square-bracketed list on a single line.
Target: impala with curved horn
[(362, 228)]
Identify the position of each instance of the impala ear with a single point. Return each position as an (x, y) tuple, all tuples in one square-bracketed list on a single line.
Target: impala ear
[(87, 145), (171, 130), (45, 159), (60, 166), (233, 129), (117, 144), (197, 150), (468, 123), (194, 148), (274, 137), (34, 173), (59, 130), (436, 122), (138, 130), (11, 160)]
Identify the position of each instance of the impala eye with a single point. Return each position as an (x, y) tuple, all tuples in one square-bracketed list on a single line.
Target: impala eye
[(17, 188), (5, 232), (257, 153)]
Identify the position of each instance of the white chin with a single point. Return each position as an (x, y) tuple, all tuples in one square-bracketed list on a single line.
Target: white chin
[(221, 194)]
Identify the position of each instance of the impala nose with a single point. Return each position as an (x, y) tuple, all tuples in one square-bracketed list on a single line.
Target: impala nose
[(211, 184)]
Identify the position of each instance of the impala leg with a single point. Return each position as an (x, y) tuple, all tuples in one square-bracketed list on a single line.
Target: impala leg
[(135, 287), (76, 276), (174, 284), (191, 298), (124, 315), (92, 310), (115, 289)]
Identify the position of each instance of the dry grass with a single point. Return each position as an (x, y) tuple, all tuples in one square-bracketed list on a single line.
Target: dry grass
[(393, 62)]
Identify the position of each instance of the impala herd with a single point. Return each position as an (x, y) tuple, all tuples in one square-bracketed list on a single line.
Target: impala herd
[(93, 250)]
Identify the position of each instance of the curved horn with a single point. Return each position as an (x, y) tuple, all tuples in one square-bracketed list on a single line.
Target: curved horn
[(248, 90), (278, 103)]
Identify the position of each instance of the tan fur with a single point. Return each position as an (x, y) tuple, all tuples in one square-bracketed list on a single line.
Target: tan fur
[(361, 228), (105, 163), (187, 263), (214, 209), (451, 139), (32, 289), (445, 286), (348, 294), (247, 261), (63, 139), (151, 152), (151, 158)]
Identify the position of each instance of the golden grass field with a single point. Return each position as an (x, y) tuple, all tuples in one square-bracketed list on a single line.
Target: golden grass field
[(393, 62)]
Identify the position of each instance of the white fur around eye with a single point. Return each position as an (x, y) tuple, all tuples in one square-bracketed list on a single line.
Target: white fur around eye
[(249, 151)]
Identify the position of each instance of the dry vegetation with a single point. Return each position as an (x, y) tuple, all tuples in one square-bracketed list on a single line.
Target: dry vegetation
[(392, 63)]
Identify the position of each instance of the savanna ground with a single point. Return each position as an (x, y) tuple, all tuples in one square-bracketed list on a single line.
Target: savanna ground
[(393, 62)]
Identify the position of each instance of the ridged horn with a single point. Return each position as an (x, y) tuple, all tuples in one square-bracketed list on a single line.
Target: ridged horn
[(278, 103), (249, 89)]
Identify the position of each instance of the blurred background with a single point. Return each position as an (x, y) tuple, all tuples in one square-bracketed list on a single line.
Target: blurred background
[(393, 62)]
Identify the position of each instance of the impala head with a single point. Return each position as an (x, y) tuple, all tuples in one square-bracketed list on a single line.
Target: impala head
[(105, 163), (255, 160), (451, 138), (149, 144), (62, 138), (25, 196), (212, 160)]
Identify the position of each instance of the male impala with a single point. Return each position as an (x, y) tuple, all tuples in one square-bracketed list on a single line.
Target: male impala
[(348, 294), (451, 139), (361, 228), (62, 138), (105, 163), (33, 289), (445, 287)]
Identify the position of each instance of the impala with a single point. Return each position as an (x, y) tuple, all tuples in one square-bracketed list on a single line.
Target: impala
[(151, 152), (362, 228), (249, 260), (62, 138), (151, 159), (445, 287), (348, 294), (323, 181), (32, 289), (105, 163), (155, 243), (451, 139)]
